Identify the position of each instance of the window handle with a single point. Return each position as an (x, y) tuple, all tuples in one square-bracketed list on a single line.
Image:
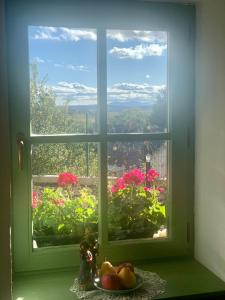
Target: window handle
[(20, 145)]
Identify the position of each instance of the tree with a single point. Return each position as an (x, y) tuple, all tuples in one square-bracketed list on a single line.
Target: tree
[(49, 118)]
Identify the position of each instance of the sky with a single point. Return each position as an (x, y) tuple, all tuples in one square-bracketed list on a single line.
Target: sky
[(136, 63)]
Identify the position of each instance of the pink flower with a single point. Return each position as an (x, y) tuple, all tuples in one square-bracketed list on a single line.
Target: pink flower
[(134, 177), (119, 185), (146, 188), (152, 175), (66, 179), (35, 200), (59, 202), (161, 189)]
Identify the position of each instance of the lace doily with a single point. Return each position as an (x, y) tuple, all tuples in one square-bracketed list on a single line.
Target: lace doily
[(153, 286)]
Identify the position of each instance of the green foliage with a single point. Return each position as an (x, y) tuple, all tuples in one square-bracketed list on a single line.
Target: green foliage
[(135, 212), (59, 215), (132, 212), (131, 120), (48, 117)]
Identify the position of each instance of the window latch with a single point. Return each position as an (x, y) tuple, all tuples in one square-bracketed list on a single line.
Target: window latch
[(20, 145)]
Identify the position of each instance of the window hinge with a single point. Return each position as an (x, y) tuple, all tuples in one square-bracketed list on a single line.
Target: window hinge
[(20, 145)]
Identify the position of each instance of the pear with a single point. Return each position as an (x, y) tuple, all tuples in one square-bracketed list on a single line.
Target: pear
[(107, 268), (127, 278), (126, 264)]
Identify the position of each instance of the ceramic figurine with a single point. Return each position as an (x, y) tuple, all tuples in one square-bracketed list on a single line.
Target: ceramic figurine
[(88, 269)]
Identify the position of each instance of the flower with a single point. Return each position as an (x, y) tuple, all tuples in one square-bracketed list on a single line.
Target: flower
[(134, 177), (160, 189), (152, 175), (146, 188), (35, 200), (161, 233), (119, 185), (59, 202), (67, 179)]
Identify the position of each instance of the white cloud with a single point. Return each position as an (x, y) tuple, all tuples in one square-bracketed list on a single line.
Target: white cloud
[(77, 93), (64, 34), (67, 34), (77, 34), (138, 35), (132, 91), (76, 88), (139, 51), (38, 60), (46, 33), (81, 68)]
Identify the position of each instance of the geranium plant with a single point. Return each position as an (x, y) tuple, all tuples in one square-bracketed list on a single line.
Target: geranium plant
[(136, 208), (63, 212), (135, 205)]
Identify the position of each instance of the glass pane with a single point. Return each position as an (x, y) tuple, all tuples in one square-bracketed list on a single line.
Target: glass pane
[(137, 190), (63, 93), (137, 81), (64, 193)]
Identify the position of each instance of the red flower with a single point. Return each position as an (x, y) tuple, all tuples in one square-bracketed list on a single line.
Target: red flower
[(134, 177), (35, 200), (119, 185), (152, 175), (161, 189), (59, 202), (67, 178), (146, 188)]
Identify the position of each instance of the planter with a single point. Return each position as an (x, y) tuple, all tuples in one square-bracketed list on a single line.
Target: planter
[(146, 232), (48, 240)]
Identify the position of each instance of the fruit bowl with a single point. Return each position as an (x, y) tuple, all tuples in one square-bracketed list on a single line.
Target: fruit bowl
[(139, 283)]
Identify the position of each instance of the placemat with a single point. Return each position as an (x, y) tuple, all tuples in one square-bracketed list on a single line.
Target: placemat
[(153, 286)]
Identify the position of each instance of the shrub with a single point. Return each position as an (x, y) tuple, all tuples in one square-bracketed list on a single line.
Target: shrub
[(62, 212), (135, 209)]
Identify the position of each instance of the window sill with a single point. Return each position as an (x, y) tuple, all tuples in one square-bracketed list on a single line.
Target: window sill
[(185, 278)]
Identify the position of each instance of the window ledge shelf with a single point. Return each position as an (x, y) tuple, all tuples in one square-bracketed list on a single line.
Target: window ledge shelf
[(186, 279)]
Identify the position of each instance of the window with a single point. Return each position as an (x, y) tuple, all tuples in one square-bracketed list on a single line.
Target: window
[(102, 130)]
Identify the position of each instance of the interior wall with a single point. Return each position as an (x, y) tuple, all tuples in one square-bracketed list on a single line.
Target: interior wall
[(5, 258), (210, 136)]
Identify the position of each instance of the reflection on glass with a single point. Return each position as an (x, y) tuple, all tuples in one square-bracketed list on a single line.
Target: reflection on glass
[(137, 184), (63, 93), (64, 193), (137, 81)]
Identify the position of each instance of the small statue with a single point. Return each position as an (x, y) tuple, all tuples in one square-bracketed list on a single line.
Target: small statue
[(88, 268)]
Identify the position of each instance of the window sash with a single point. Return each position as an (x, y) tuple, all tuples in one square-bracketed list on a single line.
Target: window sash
[(178, 22)]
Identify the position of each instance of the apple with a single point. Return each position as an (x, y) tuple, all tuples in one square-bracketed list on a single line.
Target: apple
[(126, 264), (110, 282), (107, 268), (127, 278)]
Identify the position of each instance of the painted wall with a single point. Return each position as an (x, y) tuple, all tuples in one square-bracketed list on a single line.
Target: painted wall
[(210, 136), (5, 259)]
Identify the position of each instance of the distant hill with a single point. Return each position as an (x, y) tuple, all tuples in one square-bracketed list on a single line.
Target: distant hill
[(114, 106)]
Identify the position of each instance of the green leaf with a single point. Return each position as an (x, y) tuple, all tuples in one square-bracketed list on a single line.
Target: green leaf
[(60, 226)]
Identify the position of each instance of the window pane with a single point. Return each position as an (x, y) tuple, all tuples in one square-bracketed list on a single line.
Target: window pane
[(63, 94), (137, 184), (64, 193), (137, 81)]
